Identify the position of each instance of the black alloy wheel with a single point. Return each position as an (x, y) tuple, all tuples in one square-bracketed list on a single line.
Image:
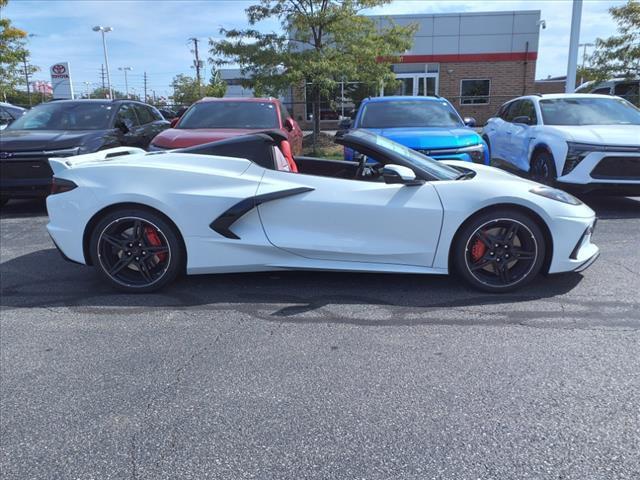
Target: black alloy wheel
[(500, 252), (136, 251), (542, 169)]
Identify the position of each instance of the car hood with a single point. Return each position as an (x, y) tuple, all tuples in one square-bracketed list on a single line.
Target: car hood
[(430, 137), (600, 134), (182, 137), (36, 140)]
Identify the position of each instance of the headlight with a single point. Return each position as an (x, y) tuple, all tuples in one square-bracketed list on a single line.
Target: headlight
[(476, 152), (576, 153), (555, 194), (67, 152)]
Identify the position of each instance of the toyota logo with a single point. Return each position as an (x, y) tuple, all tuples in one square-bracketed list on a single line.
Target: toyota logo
[(59, 69)]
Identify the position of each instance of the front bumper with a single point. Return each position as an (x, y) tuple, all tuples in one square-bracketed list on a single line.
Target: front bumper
[(605, 172), (572, 247)]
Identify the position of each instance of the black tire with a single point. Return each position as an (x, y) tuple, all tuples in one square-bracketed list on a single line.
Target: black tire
[(486, 140), (499, 251), (543, 167), (136, 250), (3, 201)]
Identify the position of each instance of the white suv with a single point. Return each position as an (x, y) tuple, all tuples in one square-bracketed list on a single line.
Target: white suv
[(580, 140)]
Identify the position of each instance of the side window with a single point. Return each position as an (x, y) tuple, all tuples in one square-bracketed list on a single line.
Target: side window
[(512, 111), (284, 113), (628, 91), (502, 112), (126, 114), (144, 115), (155, 113), (5, 118), (527, 108), (602, 91)]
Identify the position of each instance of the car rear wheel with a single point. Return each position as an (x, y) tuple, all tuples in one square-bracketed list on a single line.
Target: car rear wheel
[(543, 168), (499, 251), (136, 250)]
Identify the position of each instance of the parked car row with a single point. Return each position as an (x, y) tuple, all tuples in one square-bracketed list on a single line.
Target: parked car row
[(75, 127), (587, 141)]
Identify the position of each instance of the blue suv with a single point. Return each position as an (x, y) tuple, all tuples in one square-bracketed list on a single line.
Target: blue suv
[(429, 125)]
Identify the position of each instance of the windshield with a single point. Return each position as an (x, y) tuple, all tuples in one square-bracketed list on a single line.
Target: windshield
[(589, 111), (402, 114), (420, 162), (65, 116), (258, 115)]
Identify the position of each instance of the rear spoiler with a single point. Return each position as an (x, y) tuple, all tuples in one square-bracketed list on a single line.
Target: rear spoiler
[(63, 163)]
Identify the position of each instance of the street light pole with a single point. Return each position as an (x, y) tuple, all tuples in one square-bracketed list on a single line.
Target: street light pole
[(104, 30), (86, 84), (126, 83), (572, 64)]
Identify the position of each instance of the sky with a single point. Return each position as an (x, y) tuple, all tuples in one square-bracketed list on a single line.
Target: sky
[(152, 35)]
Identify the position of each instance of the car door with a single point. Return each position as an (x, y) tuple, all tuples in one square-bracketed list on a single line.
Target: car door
[(495, 131), (343, 220), (131, 134), (146, 119), (518, 139)]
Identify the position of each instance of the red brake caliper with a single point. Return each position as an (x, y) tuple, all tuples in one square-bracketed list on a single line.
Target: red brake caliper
[(478, 250), (154, 240)]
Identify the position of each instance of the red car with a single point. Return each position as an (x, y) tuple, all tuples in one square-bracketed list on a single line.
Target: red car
[(212, 119)]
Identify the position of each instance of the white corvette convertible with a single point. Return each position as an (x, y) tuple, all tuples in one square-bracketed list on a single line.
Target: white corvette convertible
[(245, 205)]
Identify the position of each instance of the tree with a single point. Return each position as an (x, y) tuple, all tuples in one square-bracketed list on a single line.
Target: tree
[(14, 56), (186, 89), (101, 92), (216, 86), (619, 55), (321, 42)]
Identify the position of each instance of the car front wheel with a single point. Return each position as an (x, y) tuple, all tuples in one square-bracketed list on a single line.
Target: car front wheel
[(136, 250), (543, 168), (499, 251)]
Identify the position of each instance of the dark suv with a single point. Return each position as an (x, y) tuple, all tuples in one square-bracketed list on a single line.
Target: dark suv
[(64, 128)]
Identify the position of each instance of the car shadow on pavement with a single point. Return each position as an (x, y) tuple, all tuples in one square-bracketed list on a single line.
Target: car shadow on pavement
[(613, 207), (24, 208), (42, 279)]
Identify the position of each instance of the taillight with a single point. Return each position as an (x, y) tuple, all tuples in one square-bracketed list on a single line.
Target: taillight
[(60, 185)]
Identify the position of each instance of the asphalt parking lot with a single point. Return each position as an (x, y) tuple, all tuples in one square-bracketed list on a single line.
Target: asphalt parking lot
[(319, 375)]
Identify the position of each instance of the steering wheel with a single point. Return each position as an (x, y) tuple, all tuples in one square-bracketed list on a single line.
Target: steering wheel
[(367, 171)]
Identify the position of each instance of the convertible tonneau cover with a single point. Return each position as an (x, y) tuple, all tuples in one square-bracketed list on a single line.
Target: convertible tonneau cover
[(60, 164)]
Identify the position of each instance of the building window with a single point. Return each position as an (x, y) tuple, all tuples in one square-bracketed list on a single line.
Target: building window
[(474, 92)]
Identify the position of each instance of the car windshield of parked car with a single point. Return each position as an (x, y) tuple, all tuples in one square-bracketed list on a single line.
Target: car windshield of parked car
[(65, 116), (253, 115), (588, 111), (405, 114)]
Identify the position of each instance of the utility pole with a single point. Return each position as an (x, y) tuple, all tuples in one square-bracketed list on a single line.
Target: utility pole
[(196, 62), (145, 86), (574, 38), (26, 76)]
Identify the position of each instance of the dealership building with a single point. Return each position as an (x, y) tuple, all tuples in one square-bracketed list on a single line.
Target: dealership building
[(475, 60)]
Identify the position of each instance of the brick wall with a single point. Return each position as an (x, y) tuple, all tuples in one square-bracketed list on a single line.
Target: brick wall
[(508, 80)]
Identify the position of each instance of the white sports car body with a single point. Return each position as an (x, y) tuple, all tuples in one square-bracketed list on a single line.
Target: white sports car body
[(583, 141), (240, 206)]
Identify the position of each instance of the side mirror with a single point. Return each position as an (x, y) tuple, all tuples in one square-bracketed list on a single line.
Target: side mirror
[(174, 122), (344, 124), (469, 121), (399, 174), (522, 119), (289, 125)]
